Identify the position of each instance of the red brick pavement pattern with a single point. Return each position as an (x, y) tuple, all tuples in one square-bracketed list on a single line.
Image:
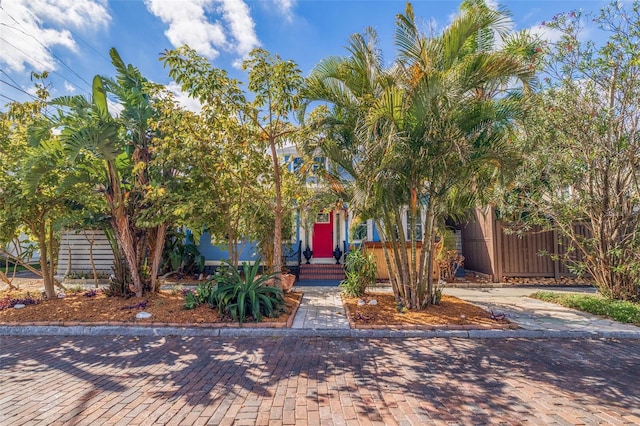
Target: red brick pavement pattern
[(316, 381)]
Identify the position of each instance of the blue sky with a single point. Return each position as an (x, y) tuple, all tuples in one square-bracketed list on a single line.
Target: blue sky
[(71, 38)]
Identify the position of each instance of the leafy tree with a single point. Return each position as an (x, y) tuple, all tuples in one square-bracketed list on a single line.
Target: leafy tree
[(425, 135), (39, 190), (243, 129), (275, 84), (580, 176), (218, 170)]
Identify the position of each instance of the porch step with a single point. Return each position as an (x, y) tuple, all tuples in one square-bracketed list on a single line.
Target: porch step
[(321, 272)]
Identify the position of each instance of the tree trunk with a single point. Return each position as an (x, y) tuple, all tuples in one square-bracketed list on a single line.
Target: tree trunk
[(121, 227), (5, 279), (127, 246), (44, 268), (403, 261), (413, 267), (20, 262), (91, 258), (277, 231), (395, 285), (427, 252), (156, 254), (386, 232), (52, 255)]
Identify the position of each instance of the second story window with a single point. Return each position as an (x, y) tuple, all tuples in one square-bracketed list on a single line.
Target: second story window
[(319, 163)]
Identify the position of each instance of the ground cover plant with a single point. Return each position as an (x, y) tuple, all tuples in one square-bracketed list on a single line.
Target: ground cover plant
[(10, 302), (619, 310)]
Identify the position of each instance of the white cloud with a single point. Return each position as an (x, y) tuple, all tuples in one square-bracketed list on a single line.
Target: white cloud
[(69, 87), (31, 28), (208, 26), (183, 98), (241, 25), (545, 33), (285, 7), (188, 24), (75, 13)]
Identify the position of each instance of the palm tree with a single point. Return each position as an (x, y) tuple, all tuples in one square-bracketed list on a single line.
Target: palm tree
[(118, 152), (39, 192), (431, 128)]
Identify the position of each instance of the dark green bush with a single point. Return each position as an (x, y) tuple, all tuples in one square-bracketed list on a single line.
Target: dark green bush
[(240, 295)]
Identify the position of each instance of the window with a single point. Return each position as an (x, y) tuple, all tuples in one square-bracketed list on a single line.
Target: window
[(297, 164), (323, 217), (319, 163), (360, 231)]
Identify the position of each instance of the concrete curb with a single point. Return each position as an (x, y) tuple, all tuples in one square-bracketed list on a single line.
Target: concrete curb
[(88, 330)]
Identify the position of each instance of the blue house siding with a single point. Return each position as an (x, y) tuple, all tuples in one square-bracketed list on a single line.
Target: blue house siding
[(375, 237), (217, 253)]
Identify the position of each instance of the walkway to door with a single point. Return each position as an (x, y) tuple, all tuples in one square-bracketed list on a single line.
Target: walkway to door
[(321, 308)]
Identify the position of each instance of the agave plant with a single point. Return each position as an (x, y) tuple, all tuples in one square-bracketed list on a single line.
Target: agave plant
[(247, 293)]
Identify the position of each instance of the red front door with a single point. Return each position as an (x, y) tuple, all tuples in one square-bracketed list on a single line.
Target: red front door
[(323, 235)]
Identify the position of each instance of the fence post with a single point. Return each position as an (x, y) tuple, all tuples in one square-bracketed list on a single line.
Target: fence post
[(498, 256), (556, 250)]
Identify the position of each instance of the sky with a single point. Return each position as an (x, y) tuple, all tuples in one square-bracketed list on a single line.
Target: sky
[(71, 38)]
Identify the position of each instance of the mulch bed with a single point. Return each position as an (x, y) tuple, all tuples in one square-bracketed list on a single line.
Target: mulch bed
[(451, 313), (166, 308)]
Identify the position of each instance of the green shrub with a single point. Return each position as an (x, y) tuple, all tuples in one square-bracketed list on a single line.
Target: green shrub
[(190, 299), (360, 273), (201, 295), (239, 295), (181, 254), (619, 310)]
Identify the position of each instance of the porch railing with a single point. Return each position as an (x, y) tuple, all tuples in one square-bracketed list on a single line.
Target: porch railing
[(293, 259)]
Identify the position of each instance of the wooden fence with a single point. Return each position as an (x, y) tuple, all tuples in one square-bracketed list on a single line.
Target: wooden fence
[(76, 249), (490, 250)]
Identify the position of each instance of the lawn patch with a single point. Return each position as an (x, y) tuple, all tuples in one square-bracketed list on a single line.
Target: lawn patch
[(618, 310)]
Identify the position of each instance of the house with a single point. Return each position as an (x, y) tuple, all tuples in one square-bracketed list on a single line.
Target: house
[(320, 243), (322, 239)]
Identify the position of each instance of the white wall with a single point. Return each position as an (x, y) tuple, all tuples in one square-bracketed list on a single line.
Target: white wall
[(74, 255)]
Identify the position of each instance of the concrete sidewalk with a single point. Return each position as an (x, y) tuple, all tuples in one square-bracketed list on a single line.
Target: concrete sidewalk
[(536, 315)]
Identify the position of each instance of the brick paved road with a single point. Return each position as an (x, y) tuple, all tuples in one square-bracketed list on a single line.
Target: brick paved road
[(124, 380)]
